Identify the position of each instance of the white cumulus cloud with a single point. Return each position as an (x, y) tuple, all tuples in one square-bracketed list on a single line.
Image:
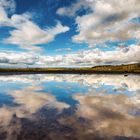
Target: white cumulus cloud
[(108, 20), (26, 34), (82, 58)]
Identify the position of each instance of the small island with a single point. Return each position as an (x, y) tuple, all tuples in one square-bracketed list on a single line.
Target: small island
[(105, 69)]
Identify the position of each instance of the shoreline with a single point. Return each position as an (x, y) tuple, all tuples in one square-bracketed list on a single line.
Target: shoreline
[(66, 72), (106, 69)]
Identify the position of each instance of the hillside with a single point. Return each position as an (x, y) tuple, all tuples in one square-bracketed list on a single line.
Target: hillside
[(130, 68), (118, 68)]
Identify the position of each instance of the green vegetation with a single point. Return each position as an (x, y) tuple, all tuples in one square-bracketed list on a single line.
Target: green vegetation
[(131, 68)]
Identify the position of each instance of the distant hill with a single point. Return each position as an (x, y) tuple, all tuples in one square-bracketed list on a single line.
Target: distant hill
[(130, 68), (119, 68)]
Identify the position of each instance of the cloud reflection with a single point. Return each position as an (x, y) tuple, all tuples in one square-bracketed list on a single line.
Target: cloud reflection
[(131, 82), (110, 115), (29, 101), (37, 114)]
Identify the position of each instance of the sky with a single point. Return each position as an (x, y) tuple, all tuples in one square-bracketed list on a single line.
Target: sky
[(69, 33)]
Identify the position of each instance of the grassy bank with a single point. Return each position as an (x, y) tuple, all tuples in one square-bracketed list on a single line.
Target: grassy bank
[(131, 68)]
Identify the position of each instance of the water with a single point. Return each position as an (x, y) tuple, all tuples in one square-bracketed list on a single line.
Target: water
[(70, 107)]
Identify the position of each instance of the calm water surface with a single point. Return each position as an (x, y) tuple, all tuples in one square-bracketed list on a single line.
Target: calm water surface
[(70, 107)]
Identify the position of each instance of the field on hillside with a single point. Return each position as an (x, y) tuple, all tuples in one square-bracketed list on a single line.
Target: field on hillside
[(131, 68)]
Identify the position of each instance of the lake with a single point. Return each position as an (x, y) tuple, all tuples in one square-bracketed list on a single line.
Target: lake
[(70, 107)]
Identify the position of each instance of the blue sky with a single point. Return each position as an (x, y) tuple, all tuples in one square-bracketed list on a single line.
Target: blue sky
[(55, 33)]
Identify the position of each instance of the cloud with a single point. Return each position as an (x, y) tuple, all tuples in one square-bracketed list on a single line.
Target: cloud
[(6, 7), (13, 58), (108, 20), (82, 58), (71, 11), (26, 33), (63, 49), (29, 34), (95, 57)]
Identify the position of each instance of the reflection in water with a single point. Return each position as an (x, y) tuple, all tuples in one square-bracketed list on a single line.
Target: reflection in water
[(75, 107), (110, 115)]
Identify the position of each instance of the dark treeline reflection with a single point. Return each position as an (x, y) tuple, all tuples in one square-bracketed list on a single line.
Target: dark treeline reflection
[(70, 107)]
